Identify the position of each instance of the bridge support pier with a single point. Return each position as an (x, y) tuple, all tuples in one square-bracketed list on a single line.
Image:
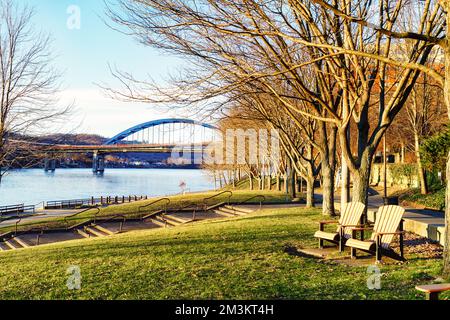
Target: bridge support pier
[(98, 163), (49, 165)]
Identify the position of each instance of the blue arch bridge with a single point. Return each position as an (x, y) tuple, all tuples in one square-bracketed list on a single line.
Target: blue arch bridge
[(157, 136)]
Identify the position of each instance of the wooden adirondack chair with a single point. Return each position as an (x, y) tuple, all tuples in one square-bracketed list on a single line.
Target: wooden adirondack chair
[(388, 223), (349, 219)]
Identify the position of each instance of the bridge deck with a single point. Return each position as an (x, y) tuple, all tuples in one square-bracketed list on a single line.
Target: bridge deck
[(118, 148)]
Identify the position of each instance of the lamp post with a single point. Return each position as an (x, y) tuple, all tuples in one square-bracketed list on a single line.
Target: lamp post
[(384, 168)]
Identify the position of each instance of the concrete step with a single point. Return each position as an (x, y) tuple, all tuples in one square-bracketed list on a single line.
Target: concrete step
[(4, 247), (12, 244), (226, 209), (158, 222), (170, 223), (240, 213), (150, 215), (82, 233), (22, 242), (94, 231), (241, 209), (175, 219), (215, 206), (223, 213), (103, 229)]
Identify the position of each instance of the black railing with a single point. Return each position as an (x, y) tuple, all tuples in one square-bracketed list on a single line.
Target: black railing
[(205, 200), (113, 218), (166, 200), (190, 205), (89, 219), (72, 216), (263, 199), (90, 202), (42, 228), (18, 208)]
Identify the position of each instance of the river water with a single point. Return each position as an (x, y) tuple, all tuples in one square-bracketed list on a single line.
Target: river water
[(31, 186)]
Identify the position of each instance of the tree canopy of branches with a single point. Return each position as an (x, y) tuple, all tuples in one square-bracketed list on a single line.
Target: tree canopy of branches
[(29, 83), (349, 65), (332, 64)]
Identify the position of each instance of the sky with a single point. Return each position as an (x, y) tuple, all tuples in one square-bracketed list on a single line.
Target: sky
[(83, 54)]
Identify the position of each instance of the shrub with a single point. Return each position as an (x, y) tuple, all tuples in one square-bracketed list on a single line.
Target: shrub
[(403, 171), (435, 200), (434, 151)]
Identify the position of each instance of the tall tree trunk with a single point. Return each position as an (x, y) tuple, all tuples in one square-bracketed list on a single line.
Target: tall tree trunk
[(220, 181), (328, 165), (328, 189), (285, 182), (261, 177), (447, 205), (420, 172), (345, 183), (310, 192), (361, 179), (292, 180), (232, 175), (402, 156), (345, 173), (447, 103)]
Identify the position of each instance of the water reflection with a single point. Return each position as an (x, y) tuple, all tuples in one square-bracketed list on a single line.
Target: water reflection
[(32, 186)]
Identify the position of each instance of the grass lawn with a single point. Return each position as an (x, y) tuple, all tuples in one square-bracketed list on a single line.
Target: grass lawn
[(238, 258)]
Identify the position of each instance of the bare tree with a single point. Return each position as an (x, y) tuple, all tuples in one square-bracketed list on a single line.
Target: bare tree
[(29, 85)]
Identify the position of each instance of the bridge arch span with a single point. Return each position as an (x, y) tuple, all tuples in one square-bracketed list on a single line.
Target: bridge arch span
[(154, 123)]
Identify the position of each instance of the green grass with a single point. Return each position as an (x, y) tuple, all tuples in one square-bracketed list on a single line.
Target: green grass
[(239, 258), (434, 199), (132, 209)]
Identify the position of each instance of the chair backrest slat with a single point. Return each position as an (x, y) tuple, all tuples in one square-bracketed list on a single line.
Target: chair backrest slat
[(388, 219), (351, 216)]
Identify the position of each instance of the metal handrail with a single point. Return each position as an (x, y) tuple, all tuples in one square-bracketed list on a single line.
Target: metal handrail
[(87, 201), (254, 197), (12, 207), (190, 204), (19, 208), (154, 202), (216, 195), (83, 211), (17, 222), (41, 229), (114, 217)]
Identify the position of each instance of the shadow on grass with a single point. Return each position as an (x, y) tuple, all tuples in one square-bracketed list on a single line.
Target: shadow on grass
[(293, 251)]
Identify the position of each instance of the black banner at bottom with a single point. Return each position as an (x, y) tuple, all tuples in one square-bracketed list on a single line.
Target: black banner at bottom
[(218, 309)]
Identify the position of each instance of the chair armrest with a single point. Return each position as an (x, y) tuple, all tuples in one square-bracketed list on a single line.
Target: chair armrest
[(329, 222), (323, 223), (389, 233), (353, 226), (361, 229)]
